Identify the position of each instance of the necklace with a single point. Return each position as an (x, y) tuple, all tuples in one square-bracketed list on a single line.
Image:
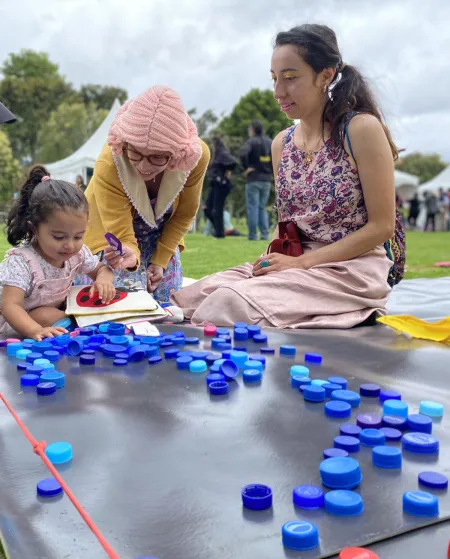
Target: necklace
[(309, 153)]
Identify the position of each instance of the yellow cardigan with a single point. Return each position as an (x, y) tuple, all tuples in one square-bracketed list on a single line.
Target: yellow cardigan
[(116, 191)]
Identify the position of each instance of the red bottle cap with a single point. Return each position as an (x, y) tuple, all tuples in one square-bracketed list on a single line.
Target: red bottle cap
[(210, 330), (357, 553)]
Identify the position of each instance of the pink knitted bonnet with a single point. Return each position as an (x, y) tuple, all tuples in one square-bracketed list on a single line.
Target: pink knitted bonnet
[(156, 120)]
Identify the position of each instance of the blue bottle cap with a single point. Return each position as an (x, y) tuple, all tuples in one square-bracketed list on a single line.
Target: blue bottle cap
[(268, 350), (420, 423), (47, 367), (226, 339), (344, 503), (308, 497), (313, 358), (370, 390), (192, 340), (54, 376), (226, 354), (240, 325), (115, 329), (49, 488), (420, 503), (215, 369), (257, 497), (300, 535), (339, 380), (178, 334), (340, 472), (224, 346), (389, 395), (241, 334), (34, 370), (253, 365), (155, 360), (184, 362), (260, 338), (352, 398), (75, 347), (150, 350), (334, 452), (41, 362), (330, 388), (29, 380), (13, 347), (299, 371), (219, 362), (218, 387), (319, 382), (396, 422), (88, 351), (136, 354), (52, 355), (117, 362), (123, 356), (46, 388), (252, 375), (240, 348), (185, 354), (59, 453), (369, 421), (214, 377), (288, 350), (387, 457), (253, 329), (391, 434), (395, 407), (104, 327), (229, 369), (22, 366), (111, 350), (171, 353), (22, 353), (200, 355), (313, 393), (166, 344), (432, 409), (296, 382), (89, 331), (239, 357), (433, 480), (120, 340), (31, 357), (350, 430), (41, 347), (257, 357), (198, 366), (222, 331), (350, 444), (211, 357), (87, 359), (338, 409), (420, 443), (27, 346), (179, 341), (372, 437)]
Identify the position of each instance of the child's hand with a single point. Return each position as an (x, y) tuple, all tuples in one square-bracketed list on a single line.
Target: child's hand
[(47, 332), (105, 288)]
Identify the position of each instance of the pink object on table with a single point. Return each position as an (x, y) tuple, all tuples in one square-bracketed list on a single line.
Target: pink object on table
[(12, 341), (210, 330)]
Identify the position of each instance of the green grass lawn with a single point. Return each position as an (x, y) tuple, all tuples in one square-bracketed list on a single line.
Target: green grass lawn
[(206, 255)]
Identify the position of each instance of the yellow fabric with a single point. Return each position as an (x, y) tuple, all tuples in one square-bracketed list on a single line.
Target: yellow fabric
[(111, 210), (417, 328)]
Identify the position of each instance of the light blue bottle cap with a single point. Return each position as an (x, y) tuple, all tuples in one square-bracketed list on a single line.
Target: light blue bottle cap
[(252, 375), (330, 388), (352, 398), (218, 362), (299, 371), (432, 409), (343, 503), (46, 367), (22, 353), (288, 350), (420, 443), (387, 457), (59, 453), (319, 382), (314, 393), (13, 348), (58, 378), (339, 380), (340, 472), (337, 409), (41, 362), (419, 423), (253, 365), (420, 503), (395, 407), (198, 366), (239, 358), (347, 442), (296, 382), (372, 437), (300, 535)]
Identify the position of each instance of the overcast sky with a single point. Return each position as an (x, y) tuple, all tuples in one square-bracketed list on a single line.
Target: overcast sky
[(214, 51)]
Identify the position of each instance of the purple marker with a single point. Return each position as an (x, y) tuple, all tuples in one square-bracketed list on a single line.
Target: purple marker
[(114, 242)]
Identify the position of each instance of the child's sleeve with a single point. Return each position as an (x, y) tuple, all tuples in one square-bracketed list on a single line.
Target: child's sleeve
[(89, 261), (14, 271)]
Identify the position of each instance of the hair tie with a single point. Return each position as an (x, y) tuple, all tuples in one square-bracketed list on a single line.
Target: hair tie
[(46, 178)]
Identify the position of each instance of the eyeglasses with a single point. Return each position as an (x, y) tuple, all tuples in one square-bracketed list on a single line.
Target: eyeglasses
[(153, 159)]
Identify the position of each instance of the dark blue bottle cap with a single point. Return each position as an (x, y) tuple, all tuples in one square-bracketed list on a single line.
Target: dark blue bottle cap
[(214, 377), (185, 354), (308, 497), (253, 329), (49, 488), (218, 387), (184, 362), (352, 398), (396, 422), (193, 340), (313, 358), (433, 480), (225, 355), (389, 395), (252, 375), (370, 390), (224, 346), (178, 334), (387, 457), (340, 472), (87, 359), (344, 503), (136, 354), (420, 443), (46, 388), (123, 356), (27, 345), (350, 430), (288, 350), (268, 350), (97, 339), (330, 388), (155, 360), (241, 334), (171, 353), (211, 357), (120, 362), (115, 329), (88, 351), (372, 437), (41, 347), (338, 409), (334, 452), (391, 434), (166, 344), (350, 444), (260, 338), (339, 380), (31, 357), (240, 325), (313, 393), (420, 423), (257, 497), (239, 348), (52, 355), (29, 380), (22, 366), (229, 369), (297, 382), (369, 420), (420, 503), (300, 535), (215, 369), (226, 339), (75, 347), (34, 370)]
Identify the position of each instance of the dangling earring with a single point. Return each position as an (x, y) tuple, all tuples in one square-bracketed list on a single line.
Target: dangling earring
[(324, 88)]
